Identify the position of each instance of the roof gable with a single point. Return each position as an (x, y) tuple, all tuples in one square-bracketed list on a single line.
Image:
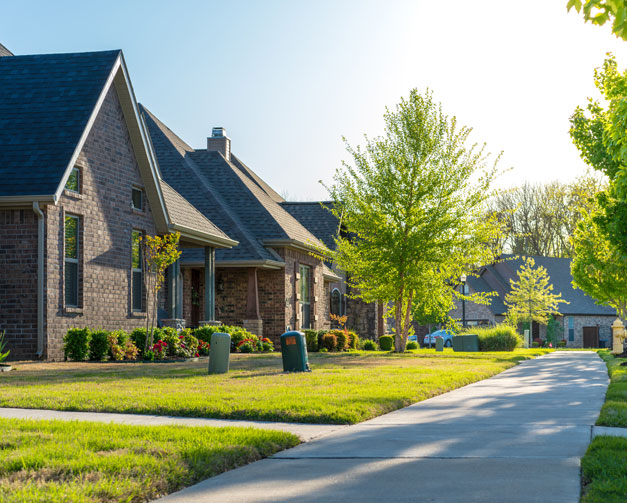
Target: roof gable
[(316, 218)]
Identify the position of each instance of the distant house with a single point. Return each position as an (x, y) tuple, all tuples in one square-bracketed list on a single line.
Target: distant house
[(79, 186), (585, 323)]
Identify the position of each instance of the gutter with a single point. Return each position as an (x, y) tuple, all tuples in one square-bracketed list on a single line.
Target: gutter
[(40, 279), (204, 238), (320, 250)]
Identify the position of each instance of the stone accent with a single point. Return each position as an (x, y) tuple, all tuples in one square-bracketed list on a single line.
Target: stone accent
[(254, 327), (177, 323), (18, 281), (108, 172)]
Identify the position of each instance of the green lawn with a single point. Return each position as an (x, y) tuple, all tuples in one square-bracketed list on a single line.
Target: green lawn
[(604, 471), (344, 388), (71, 462), (604, 467), (614, 411)]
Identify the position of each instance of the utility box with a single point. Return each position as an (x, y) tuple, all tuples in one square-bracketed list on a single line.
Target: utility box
[(467, 343), (294, 352), (219, 353), (439, 344)]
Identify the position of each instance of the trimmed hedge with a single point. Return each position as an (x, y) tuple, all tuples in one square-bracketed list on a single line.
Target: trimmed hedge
[(386, 342), (412, 345), (499, 338), (76, 344), (98, 345), (369, 345), (311, 337), (329, 342)]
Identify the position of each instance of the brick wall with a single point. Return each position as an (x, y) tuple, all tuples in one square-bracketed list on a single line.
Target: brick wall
[(108, 173), (18, 281)]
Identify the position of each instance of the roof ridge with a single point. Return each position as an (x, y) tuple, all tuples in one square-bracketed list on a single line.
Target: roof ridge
[(162, 126), (257, 179)]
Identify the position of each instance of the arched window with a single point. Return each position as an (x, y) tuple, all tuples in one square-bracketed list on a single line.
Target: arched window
[(336, 302)]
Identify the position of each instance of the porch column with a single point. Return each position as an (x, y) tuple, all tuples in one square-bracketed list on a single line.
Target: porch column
[(253, 322), (174, 301), (210, 286)]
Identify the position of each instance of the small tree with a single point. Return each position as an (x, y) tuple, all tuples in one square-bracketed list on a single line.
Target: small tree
[(531, 297), (159, 252), (413, 207)]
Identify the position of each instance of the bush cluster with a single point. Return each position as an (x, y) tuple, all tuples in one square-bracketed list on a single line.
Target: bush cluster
[(386, 342), (369, 345), (499, 338), (341, 340), (412, 345), (242, 340)]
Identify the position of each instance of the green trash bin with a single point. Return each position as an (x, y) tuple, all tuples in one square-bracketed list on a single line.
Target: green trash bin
[(458, 343), (469, 343), (294, 352), (219, 353)]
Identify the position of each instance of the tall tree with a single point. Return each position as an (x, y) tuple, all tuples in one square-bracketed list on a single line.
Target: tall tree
[(540, 219), (598, 269), (531, 297), (413, 205)]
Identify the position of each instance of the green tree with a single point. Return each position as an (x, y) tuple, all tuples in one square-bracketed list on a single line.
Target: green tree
[(598, 269), (531, 297), (413, 205), (600, 134), (159, 252), (601, 11)]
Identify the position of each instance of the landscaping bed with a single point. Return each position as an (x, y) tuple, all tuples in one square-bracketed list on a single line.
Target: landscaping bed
[(343, 388), (68, 462)]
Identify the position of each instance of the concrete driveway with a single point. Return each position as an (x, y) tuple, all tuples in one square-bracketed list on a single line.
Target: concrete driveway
[(516, 437)]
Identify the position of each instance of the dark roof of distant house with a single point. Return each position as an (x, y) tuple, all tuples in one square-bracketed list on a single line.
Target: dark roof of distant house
[(4, 51), (228, 193), (316, 218), (496, 278), (45, 104)]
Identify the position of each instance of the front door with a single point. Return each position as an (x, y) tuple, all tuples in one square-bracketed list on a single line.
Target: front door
[(591, 337), (305, 298)]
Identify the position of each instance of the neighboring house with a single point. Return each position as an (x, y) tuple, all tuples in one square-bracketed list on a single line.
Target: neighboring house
[(79, 185), (585, 323), (271, 281)]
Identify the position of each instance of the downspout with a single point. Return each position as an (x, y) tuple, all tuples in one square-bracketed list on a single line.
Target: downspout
[(40, 279)]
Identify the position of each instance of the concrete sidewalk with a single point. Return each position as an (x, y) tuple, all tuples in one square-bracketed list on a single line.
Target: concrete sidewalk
[(515, 438), (306, 432)]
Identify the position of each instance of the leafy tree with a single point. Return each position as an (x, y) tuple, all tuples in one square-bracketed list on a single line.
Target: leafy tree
[(159, 252), (600, 134), (413, 205), (598, 269), (539, 219), (601, 11), (531, 297)]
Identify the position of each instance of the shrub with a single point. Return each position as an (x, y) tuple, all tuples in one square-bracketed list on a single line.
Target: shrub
[(386, 342), (76, 344), (329, 342), (321, 334), (412, 345), (246, 346), (205, 332), (499, 338), (538, 342), (562, 343), (98, 345), (369, 345), (189, 343), (171, 338), (353, 340), (341, 339), (266, 345), (115, 350), (311, 336), (3, 345), (159, 350), (138, 336), (203, 348), (323, 350), (130, 350)]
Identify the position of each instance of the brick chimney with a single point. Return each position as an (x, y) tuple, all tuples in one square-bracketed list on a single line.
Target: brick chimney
[(219, 142)]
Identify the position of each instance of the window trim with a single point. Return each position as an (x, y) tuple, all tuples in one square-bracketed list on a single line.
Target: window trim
[(134, 270), (71, 260)]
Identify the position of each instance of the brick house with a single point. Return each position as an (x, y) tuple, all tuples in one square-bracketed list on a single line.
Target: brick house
[(584, 322), (78, 186)]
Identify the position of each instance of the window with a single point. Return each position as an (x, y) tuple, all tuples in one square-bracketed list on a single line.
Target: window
[(73, 181), (138, 199), (336, 302), (71, 261), (137, 272), (305, 282), (571, 328)]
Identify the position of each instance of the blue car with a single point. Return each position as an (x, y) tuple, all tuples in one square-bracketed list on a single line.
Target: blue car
[(447, 335)]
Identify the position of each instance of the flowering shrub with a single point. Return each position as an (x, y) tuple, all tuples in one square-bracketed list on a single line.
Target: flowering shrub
[(266, 345), (203, 348), (115, 350), (130, 350), (121, 347), (247, 345), (160, 350), (329, 342)]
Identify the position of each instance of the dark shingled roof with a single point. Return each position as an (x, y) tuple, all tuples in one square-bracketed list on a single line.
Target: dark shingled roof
[(228, 193), (316, 218), (45, 104), (496, 278)]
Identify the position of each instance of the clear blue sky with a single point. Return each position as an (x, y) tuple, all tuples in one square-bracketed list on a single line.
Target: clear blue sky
[(288, 79)]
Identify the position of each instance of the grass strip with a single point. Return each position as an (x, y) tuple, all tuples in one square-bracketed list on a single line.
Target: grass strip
[(72, 462), (343, 388), (604, 471), (614, 410)]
